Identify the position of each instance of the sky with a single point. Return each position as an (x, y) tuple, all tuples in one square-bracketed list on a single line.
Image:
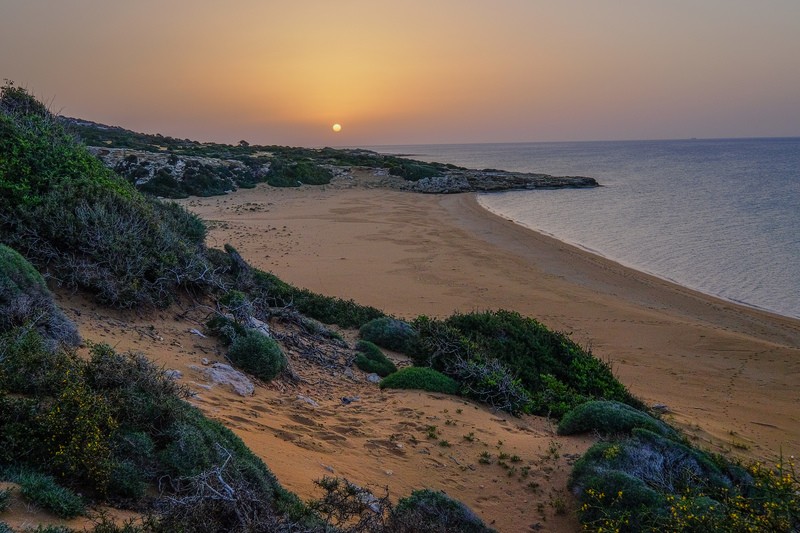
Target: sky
[(412, 72)]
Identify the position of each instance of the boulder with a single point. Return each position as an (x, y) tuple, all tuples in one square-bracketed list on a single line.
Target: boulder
[(227, 376)]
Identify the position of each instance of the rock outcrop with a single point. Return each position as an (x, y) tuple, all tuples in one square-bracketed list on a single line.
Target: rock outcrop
[(457, 181)]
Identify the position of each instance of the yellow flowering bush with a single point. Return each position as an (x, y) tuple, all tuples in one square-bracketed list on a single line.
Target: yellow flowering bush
[(78, 429)]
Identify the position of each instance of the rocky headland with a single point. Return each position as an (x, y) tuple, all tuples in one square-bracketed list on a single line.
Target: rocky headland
[(458, 181)]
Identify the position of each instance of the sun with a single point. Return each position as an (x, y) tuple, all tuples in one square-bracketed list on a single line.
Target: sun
[(337, 128)]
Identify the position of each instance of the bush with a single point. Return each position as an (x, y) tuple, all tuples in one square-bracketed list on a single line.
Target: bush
[(421, 378), (66, 212), (372, 359), (284, 173), (389, 333), (43, 490), (29, 366), (258, 355), (428, 510), (609, 417), (25, 300), (326, 309), (617, 501), (114, 425), (556, 372), (649, 482), (490, 382), (141, 397)]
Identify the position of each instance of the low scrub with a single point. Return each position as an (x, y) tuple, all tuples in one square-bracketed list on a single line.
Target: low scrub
[(89, 228), (607, 417), (327, 309), (555, 372), (26, 301), (371, 359), (43, 491), (389, 333), (287, 173), (429, 510), (114, 425), (421, 378), (349, 508), (258, 355), (648, 482)]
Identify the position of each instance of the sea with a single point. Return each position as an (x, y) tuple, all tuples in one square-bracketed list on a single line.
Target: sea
[(721, 216)]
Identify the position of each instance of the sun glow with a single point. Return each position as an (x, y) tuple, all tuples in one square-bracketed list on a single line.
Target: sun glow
[(337, 128)]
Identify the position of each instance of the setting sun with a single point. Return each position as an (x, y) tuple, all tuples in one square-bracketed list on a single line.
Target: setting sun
[(337, 128)]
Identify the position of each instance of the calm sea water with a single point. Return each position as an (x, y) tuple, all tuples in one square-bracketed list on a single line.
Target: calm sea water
[(719, 216)]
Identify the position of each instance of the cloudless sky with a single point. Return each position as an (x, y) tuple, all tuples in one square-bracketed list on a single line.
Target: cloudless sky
[(432, 71)]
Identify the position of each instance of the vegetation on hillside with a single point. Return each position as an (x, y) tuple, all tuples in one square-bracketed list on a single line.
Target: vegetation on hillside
[(176, 168), (508, 361), (648, 478), (25, 301), (80, 223)]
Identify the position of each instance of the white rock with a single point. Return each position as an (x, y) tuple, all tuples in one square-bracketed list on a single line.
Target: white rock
[(226, 375), (307, 400)]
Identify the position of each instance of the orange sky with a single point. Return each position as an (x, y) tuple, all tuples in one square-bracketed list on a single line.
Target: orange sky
[(443, 71)]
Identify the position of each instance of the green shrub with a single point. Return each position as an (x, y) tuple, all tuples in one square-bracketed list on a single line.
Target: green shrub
[(141, 397), (555, 399), (421, 378), (415, 170), (43, 490), (428, 510), (112, 427), (78, 428), (285, 173), (258, 355), (619, 501), (492, 383), (372, 359), (326, 309), (66, 212), (29, 366), (389, 333), (25, 300), (556, 372), (609, 417), (225, 328), (649, 482)]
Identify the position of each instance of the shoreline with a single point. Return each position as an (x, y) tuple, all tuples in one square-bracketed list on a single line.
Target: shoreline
[(727, 373), (773, 313), (630, 272)]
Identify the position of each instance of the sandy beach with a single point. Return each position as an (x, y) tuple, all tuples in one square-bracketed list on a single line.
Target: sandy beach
[(727, 374)]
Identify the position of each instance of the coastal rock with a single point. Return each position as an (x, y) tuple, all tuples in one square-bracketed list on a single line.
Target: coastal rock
[(373, 378), (226, 375), (457, 181)]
